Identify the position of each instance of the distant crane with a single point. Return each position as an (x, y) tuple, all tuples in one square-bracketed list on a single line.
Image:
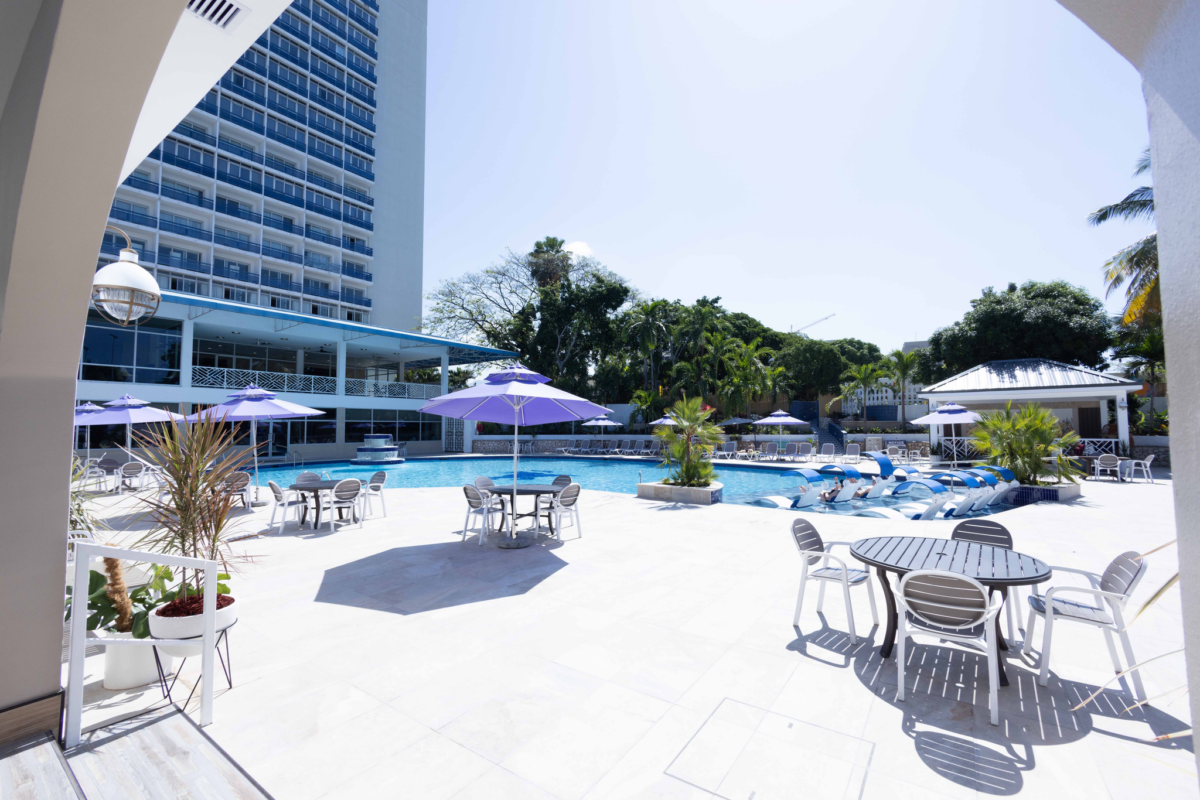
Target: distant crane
[(809, 325)]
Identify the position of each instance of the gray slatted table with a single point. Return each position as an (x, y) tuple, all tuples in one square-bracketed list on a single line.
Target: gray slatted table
[(994, 567)]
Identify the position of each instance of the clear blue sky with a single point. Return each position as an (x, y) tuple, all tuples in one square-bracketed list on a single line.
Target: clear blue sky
[(881, 161)]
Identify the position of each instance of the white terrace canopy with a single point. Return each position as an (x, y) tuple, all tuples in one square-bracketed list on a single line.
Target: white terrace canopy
[(1076, 394)]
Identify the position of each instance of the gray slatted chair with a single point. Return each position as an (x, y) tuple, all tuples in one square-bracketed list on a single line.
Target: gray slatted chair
[(284, 501), (949, 606), (239, 485), (984, 531), (481, 504), (566, 503), (543, 502), (374, 489), (806, 452), (813, 550), (346, 495), (131, 476), (307, 477), (1115, 586)]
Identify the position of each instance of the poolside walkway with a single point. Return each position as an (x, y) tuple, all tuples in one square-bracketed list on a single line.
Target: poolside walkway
[(655, 657)]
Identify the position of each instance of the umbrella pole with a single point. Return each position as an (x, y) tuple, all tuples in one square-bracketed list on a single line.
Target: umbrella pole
[(512, 509)]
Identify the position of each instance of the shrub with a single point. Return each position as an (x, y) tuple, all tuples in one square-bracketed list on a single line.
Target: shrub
[(1030, 442), (683, 456)]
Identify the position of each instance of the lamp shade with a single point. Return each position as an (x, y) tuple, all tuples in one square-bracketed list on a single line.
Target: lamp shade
[(123, 292)]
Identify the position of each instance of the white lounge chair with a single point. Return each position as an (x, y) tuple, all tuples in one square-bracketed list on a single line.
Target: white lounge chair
[(1114, 587), (769, 451), (789, 452), (567, 449), (935, 506), (964, 506), (655, 448), (806, 452), (1003, 490), (846, 492), (852, 455), (828, 453), (727, 450), (877, 489), (809, 496), (813, 551), (947, 605)]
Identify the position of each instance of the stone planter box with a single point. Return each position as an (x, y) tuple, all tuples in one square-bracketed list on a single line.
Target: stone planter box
[(1151, 441), (1024, 495), (707, 496)]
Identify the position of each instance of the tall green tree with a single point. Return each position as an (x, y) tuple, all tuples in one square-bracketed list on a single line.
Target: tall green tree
[(812, 367), (1144, 349), (903, 368), (860, 378), (1137, 264), (1052, 320), (857, 351), (648, 329)]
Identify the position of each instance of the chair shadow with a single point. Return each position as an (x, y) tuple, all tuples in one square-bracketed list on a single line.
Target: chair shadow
[(412, 580), (947, 696), (831, 642)]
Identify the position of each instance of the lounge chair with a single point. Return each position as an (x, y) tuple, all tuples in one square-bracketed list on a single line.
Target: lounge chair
[(813, 551), (828, 453), (877, 489), (637, 448), (1113, 589), (587, 448), (566, 449), (947, 605), (806, 452), (626, 448), (1001, 495), (655, 448), (809, 497), (935, 506), (789, 452), (847, 491), (852, 455), (645, 451), (769, 451)]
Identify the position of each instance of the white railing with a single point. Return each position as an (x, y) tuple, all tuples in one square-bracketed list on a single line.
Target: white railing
[(85, 553), (1096, 447), (393, 389), (958, 448), (225, 378)]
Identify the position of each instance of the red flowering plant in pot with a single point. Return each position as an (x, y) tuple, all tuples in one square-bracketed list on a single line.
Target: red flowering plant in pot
[(192, 517)]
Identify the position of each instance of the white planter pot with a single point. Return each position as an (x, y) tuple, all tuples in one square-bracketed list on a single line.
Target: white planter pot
[(188, 628), (935, 460), (706, 496), (129, 667)]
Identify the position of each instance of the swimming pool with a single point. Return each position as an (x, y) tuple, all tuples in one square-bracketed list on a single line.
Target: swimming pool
[(765, 487), (592, 473)]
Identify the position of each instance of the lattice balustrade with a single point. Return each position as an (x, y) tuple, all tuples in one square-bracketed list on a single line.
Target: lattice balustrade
[(224, 378), (392, 389)]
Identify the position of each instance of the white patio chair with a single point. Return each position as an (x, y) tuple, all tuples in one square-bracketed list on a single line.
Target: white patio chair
[(566, 449), (655, 448), (813, 550), (646, 444), (1144, 466), (131, 476), (373, 490), (853, 454), (637, 448), (482, 506), (769, 451), (806, 452), (828, 453), (285, 501), (895, 455), (347, 495), (727, 451), (565, 502), (789, 452), (950, 606), (1110, 464), (239, 486), (1115, 586), (984, 531)]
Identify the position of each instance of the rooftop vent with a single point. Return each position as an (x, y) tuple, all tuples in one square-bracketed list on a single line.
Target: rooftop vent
[(221, 13)]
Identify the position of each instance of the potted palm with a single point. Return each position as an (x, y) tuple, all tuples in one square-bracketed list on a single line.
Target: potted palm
[(1034, 445), (687, 449), (192, 516)]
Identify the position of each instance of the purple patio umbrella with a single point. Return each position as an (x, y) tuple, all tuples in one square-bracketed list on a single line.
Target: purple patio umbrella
[(252, 404), (125, 410), (83, 411), (516, 396)]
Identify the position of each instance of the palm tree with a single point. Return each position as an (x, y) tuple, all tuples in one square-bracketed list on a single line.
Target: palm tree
[(689, 375), (774, 378), (646, 405), (1136, 264), (687, 442), (1030, 442), (1147, 358), (859, 378), (647, 328), (902, 366), (719, 350)]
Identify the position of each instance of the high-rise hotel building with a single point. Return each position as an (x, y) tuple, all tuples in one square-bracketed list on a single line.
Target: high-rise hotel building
[(283, 219)]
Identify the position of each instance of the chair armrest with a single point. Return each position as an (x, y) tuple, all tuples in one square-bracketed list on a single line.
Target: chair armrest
[(1092, 577), (1118, 598)]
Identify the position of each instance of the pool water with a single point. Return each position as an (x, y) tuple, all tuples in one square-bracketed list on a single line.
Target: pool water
[(764, 487), (591, 473)]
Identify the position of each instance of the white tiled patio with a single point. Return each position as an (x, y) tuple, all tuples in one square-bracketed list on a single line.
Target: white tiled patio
[(655, 657)]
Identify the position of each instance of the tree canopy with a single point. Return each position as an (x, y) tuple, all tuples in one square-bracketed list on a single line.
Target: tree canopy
[(1052, 320), (857, 351), (812, 367)]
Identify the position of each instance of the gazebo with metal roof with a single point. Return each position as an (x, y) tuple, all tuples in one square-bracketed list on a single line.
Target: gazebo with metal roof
[(1055, 385)]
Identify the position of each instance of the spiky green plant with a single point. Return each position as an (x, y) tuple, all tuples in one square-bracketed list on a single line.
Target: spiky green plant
[(686, 444), (1030, 442), (192, 514)]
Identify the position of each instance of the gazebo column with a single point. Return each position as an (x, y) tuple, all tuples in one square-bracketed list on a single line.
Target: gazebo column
[(1123, 421)]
